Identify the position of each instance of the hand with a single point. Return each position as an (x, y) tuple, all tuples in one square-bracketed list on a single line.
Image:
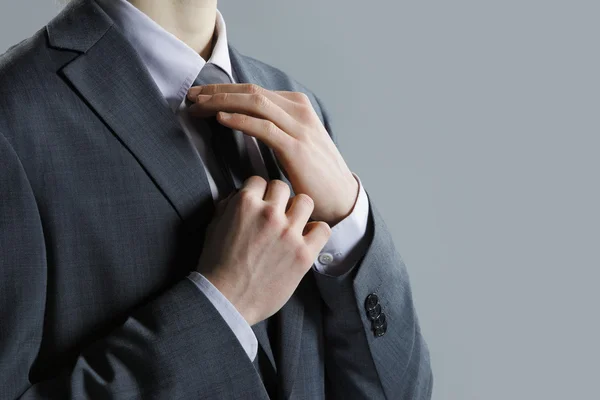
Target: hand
[(256, 252), (287, 123)]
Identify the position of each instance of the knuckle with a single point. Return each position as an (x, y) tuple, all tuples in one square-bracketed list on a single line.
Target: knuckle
[(259, 100), (242, 119), (305, 199), (290, 236), (246, 197), (303, 97), (303, 255), (280, 183), (259, 179), (252, 88), (272, 216), (254, 179), (324, 229), (220, 97), (271, 128), (305, 111)]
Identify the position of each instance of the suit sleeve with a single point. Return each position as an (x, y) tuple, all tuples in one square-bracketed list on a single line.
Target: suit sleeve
[(347, 241), (360, 362), (176, 346), (236, 322)]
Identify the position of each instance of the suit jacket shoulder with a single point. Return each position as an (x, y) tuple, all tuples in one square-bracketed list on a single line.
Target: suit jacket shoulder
[(30, 87)]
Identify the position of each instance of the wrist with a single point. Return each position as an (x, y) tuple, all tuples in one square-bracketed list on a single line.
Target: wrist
[(228, 291), (345, 208)]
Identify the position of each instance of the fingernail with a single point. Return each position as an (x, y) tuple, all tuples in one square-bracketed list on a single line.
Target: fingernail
[(225, 115)]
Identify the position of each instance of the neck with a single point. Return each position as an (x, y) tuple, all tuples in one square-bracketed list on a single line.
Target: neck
[(191, 21)]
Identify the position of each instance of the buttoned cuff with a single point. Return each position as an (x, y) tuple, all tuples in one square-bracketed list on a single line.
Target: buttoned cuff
[(230, 314), (347, 242)]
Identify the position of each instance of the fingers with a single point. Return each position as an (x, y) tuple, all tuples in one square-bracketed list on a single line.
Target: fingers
[(278, 192), (287, 100), (254, 186), (264, 129), (316, 235), (222, 204), (259, 105), (300, 209)]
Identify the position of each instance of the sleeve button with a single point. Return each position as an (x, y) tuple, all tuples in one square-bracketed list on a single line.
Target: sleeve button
[(374, 313), (379, 332), (371, 302), (380, 321)]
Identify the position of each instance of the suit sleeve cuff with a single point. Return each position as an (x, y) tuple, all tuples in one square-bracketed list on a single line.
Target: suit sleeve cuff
[(348, 240), (230, 314)]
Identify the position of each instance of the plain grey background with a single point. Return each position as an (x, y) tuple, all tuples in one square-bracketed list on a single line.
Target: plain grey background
[(487, 114)]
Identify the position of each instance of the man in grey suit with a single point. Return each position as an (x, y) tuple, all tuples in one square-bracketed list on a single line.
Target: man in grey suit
[(176, 228)]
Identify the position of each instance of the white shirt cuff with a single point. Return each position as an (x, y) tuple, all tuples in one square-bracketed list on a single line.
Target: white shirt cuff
[(230, 314), (347, 241)]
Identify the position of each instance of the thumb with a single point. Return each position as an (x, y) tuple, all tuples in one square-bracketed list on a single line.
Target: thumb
[(316, 234), (222, 204)]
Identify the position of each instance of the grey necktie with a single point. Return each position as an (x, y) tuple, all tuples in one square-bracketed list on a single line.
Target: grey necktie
[(227, 144), (230, 151)]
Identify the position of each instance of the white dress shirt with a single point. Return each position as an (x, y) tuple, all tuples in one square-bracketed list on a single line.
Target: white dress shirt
[(174, 66)]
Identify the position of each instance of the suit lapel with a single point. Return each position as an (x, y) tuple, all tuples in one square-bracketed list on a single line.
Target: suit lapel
[(289, 320), (111, 78)]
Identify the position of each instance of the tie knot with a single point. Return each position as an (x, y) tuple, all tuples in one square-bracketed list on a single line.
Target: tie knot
[(211, 74)]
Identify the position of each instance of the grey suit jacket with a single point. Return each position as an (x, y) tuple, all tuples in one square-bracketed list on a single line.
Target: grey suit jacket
[(103, 209)]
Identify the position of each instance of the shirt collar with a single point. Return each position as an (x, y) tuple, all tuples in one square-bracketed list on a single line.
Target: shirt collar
[(172, 64)]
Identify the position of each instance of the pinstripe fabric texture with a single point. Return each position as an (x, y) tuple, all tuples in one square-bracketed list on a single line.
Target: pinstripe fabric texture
[(103, 209)]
